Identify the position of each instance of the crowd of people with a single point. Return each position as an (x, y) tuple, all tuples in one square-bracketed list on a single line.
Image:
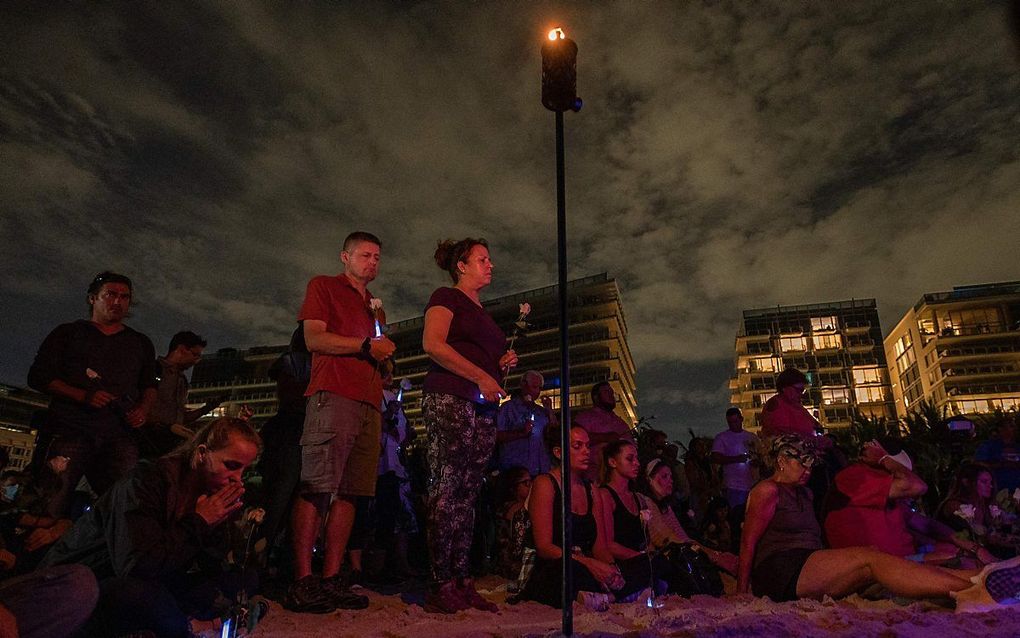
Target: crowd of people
[(133, 518)]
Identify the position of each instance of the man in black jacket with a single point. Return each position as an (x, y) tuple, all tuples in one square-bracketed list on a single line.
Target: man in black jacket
[(157, 541), (101, 376)]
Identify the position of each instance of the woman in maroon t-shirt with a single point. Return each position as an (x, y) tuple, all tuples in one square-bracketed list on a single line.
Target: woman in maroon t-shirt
[(460, 397)]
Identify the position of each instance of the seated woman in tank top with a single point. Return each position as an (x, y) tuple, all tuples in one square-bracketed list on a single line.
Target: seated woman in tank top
[(781, 553), (625, 515), (628, 518), (664, 528), (622, 506), (597, 580)]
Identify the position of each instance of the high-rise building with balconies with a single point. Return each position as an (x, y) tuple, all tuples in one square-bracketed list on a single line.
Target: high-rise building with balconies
[(837, 345), (959, 349), (598, 352)]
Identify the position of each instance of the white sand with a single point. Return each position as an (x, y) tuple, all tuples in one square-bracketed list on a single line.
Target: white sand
[(389, 617)]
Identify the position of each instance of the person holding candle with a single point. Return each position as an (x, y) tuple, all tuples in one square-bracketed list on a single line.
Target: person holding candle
[(520, 425), (342, 428), (460, 398)]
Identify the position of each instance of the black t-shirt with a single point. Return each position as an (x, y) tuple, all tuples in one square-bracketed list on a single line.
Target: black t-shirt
[(81, 355)]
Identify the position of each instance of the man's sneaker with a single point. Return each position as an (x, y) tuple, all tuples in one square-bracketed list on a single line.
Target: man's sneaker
[(445, 600), (595, 601), (470, 595), (998, 585), (306, 596), (341, 596)]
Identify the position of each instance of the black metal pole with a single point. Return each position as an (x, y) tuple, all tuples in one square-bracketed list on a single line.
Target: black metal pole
[(561, 248), (559, 94)]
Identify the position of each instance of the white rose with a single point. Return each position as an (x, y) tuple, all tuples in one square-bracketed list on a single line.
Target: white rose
[(375, 303), (966, 512), (524, 308)]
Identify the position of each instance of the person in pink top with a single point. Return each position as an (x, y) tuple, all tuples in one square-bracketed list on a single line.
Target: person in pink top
[(784, 413), (603, 425)]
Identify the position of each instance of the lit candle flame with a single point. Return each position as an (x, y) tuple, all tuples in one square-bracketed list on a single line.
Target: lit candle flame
[(556, 33)]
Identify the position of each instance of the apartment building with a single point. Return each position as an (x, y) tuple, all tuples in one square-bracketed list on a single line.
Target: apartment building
[(959, 349), (837, 345)]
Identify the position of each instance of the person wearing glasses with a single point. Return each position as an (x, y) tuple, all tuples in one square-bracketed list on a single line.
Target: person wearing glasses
[(101, 376)]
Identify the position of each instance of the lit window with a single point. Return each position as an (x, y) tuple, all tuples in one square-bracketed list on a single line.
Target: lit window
[(871, 394), (827, 342), (793, 344), (905, 360), (766, 364), (823, 323), (867, 375), (835, 395), (926, 326), (903, 344)]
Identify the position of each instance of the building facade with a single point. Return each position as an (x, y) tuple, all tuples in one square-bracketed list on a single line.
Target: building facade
[(959, 350), (837, 345), (598, 352), (18, 407)]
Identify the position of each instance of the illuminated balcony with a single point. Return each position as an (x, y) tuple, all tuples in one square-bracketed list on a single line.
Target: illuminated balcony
[(857, 327)]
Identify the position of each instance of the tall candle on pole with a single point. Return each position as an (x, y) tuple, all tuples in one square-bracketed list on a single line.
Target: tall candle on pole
[(559, 94)]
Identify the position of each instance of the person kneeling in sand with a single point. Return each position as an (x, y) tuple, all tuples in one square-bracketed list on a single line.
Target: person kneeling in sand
[(156, 541), (781, 554)]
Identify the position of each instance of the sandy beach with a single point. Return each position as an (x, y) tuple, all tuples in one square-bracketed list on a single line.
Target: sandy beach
[(392, 617)]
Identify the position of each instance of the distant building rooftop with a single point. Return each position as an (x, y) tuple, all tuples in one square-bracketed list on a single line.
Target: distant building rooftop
[(807, 308), (961, 293)]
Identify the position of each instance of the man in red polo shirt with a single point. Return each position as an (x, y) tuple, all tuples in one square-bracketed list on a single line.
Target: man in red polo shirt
[(342, 429)]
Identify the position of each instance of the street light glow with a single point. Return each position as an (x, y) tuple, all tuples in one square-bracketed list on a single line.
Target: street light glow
[(556, 33)]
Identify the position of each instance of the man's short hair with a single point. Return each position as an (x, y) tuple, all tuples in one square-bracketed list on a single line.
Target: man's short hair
[(531, 374), (595, 389), (186, 338), (107, 277), (790, 377), (732, 411), (359, 236)]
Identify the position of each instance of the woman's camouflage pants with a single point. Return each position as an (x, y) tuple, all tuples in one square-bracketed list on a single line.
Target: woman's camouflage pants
[(461, 438)]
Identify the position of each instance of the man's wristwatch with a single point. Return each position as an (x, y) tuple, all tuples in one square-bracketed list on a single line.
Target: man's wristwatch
[(366, 345)]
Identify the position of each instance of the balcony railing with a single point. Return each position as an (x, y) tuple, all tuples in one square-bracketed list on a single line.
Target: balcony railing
[(965, 330), (972, 389), (234, 383)]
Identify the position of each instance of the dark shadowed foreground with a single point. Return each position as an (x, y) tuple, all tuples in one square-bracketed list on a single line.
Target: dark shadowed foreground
[(389, 617)]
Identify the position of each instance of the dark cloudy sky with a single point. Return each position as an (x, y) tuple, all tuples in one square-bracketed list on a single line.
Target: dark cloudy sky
[(730, 155)]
